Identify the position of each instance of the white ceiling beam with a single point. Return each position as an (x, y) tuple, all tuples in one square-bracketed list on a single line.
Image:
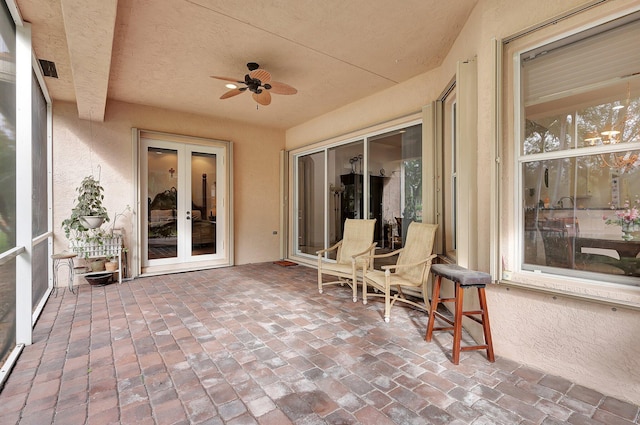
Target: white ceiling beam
[(89, 27)]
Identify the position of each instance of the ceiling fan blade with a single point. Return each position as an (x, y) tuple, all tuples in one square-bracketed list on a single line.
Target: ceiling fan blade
[(281, 88), (235, 80), (263, 98), (232, 93), (261, 74)]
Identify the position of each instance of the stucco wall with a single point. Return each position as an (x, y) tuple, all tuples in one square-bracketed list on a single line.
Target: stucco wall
[(595, 345), (80, 146)]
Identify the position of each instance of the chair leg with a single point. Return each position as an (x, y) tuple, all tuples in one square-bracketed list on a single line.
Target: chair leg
[(435, 300), (319, 274), (457, 327), (486, 327), (354, 284), (387, 300)]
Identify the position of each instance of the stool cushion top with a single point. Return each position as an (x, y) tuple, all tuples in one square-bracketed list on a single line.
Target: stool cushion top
[(464, 277)]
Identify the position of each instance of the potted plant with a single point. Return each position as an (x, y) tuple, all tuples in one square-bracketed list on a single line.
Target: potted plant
[(111, 265), (82, 227), (88, 212)]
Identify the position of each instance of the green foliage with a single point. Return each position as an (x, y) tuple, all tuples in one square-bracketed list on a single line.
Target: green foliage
[(413, 190), (88, 203)]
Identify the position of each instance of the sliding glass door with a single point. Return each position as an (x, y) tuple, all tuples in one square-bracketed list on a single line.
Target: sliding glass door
[(396, 191), (330, 186)]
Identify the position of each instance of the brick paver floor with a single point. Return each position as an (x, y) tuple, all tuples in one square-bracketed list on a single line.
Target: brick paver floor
[(257, 344)]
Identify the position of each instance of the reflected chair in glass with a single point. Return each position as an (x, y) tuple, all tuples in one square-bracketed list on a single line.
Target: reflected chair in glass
[(357, 242), (410, 272), (558, 237)]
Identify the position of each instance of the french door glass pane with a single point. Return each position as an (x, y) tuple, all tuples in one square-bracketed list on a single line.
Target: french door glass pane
[(203, 201), (163, 203), (311, 197)]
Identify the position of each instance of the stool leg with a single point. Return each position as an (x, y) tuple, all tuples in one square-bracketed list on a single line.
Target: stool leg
[(435, 300), (55, 276), (71, 274), (486, 327), (457, 326)]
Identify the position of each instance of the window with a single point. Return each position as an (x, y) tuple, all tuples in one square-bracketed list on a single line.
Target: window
[(578, 159)]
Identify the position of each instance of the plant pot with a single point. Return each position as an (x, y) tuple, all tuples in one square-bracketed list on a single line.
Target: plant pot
[(111, 266), (98, 279), (91, 222), (97, 265)]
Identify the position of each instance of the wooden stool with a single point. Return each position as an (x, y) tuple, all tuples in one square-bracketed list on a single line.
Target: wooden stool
[(58, 259), (463, 278)]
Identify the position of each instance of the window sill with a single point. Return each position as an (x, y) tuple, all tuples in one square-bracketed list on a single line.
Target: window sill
[(612, 294)]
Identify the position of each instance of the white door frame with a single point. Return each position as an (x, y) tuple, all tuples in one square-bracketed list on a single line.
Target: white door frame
[(224, 225)]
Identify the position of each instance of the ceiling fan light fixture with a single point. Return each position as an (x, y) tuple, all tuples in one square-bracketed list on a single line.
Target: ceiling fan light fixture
[(257, 81)]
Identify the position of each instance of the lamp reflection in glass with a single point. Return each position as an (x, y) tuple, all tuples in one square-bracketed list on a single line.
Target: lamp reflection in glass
[(610, 134), (592, 138)]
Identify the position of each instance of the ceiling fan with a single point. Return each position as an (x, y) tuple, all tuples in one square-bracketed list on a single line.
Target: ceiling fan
[(257, 81)]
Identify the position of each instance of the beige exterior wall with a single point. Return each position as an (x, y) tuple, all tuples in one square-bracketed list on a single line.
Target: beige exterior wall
[(81, 146), (595, 345)]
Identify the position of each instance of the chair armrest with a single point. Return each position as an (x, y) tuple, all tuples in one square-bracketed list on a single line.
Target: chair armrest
[(400, 266), (331, 248), (388, 254)]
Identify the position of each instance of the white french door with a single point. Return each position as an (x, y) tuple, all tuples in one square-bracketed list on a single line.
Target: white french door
[(184, 205)]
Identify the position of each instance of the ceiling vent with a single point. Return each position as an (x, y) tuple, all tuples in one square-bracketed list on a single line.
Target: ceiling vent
[(48, 68)]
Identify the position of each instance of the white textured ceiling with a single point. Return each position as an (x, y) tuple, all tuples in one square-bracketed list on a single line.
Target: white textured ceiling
[(162, 52)]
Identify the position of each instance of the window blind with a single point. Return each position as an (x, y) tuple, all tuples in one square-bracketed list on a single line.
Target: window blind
[(607, 57)]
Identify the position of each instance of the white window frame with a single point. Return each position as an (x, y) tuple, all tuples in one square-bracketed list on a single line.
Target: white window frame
[(511, 248)]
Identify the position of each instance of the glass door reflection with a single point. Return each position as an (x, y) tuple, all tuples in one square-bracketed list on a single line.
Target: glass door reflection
[(162, 234), (203, 203)]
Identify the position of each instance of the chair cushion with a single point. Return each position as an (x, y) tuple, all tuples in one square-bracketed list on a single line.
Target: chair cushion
[(464, 277)]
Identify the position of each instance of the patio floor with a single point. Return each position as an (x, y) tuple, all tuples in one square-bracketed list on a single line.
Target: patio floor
[(257, 344)]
